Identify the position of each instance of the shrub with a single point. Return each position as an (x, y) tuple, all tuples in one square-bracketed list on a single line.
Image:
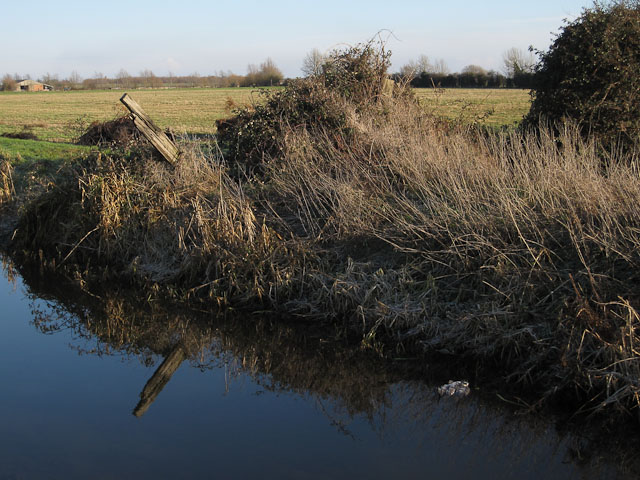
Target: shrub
[(351, 81), (254, 134), (591, 74), (358, 73), (8, 83)]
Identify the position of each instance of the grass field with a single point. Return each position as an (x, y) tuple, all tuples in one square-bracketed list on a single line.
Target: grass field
[(18, 150), (60, 116), (495, 107)]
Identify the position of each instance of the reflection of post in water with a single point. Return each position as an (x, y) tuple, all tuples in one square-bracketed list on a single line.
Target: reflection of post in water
[(159, 379)]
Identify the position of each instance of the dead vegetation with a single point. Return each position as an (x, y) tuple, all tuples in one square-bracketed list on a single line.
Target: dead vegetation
[(119, 132), (519, 252), (7, 190)]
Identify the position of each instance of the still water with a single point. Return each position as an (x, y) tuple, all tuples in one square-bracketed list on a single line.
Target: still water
[(94, 388)]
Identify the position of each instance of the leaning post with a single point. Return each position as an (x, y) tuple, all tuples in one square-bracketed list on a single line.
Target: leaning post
[(151, 132)]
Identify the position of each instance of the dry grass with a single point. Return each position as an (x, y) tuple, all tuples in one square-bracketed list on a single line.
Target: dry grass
[(520, 251), (191, 229), (7, 190), (61, 116)]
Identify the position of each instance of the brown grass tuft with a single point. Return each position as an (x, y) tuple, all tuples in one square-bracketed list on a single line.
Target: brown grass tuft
[(522, 251), (7, 190)]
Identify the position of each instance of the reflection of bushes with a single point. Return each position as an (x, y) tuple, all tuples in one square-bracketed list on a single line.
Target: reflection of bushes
[(278, 355)]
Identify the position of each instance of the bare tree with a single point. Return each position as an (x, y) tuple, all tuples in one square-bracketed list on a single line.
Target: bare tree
[(100, 79), (270, 72), (75, 78), (440, 67), (517, 62), (49, 78), (124, 79), (416, 67), (8, 83), (267, 74), (149, 79), (312, 63)]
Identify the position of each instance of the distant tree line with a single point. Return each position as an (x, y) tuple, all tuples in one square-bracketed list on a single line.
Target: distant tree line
[(422, 73), (266, 74), (518, 73)]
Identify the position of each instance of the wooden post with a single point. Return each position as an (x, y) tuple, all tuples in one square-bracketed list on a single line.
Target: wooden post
[(157, 137), (159, 379)]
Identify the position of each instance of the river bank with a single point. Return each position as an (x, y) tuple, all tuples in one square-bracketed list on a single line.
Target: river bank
[(334, 203)]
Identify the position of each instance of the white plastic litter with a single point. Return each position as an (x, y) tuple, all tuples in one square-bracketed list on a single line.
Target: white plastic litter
[(459, 388)]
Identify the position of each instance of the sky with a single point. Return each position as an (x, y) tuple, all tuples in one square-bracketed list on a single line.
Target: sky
[(183, 37)]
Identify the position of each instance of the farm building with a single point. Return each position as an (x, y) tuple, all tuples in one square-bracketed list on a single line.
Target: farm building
[(32, 86)]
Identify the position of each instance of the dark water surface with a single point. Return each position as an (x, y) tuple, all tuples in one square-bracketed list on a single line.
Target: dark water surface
[(249, 400)]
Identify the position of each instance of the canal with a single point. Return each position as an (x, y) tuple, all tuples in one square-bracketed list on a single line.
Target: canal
[(95, 387)]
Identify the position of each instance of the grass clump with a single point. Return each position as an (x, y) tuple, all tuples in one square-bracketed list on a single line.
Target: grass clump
[(120, 132), (7, 190), (519, 252)]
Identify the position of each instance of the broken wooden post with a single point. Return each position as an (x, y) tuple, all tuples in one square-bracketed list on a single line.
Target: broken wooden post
[(159, 379), (151, 132)]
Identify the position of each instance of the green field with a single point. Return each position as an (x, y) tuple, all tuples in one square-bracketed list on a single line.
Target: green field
[(18, 150), (495, 107), (61, 116)]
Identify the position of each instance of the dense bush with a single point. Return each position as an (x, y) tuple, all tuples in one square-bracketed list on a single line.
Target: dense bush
[(350, 81), (591, 74)]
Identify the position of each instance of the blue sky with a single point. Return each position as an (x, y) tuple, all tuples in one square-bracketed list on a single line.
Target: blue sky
[(184, 36)]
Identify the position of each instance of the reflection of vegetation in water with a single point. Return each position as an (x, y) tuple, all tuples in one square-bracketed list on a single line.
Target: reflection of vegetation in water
[(344, 381)]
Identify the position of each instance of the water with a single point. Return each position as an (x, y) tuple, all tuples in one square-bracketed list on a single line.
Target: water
[(251, 399)]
